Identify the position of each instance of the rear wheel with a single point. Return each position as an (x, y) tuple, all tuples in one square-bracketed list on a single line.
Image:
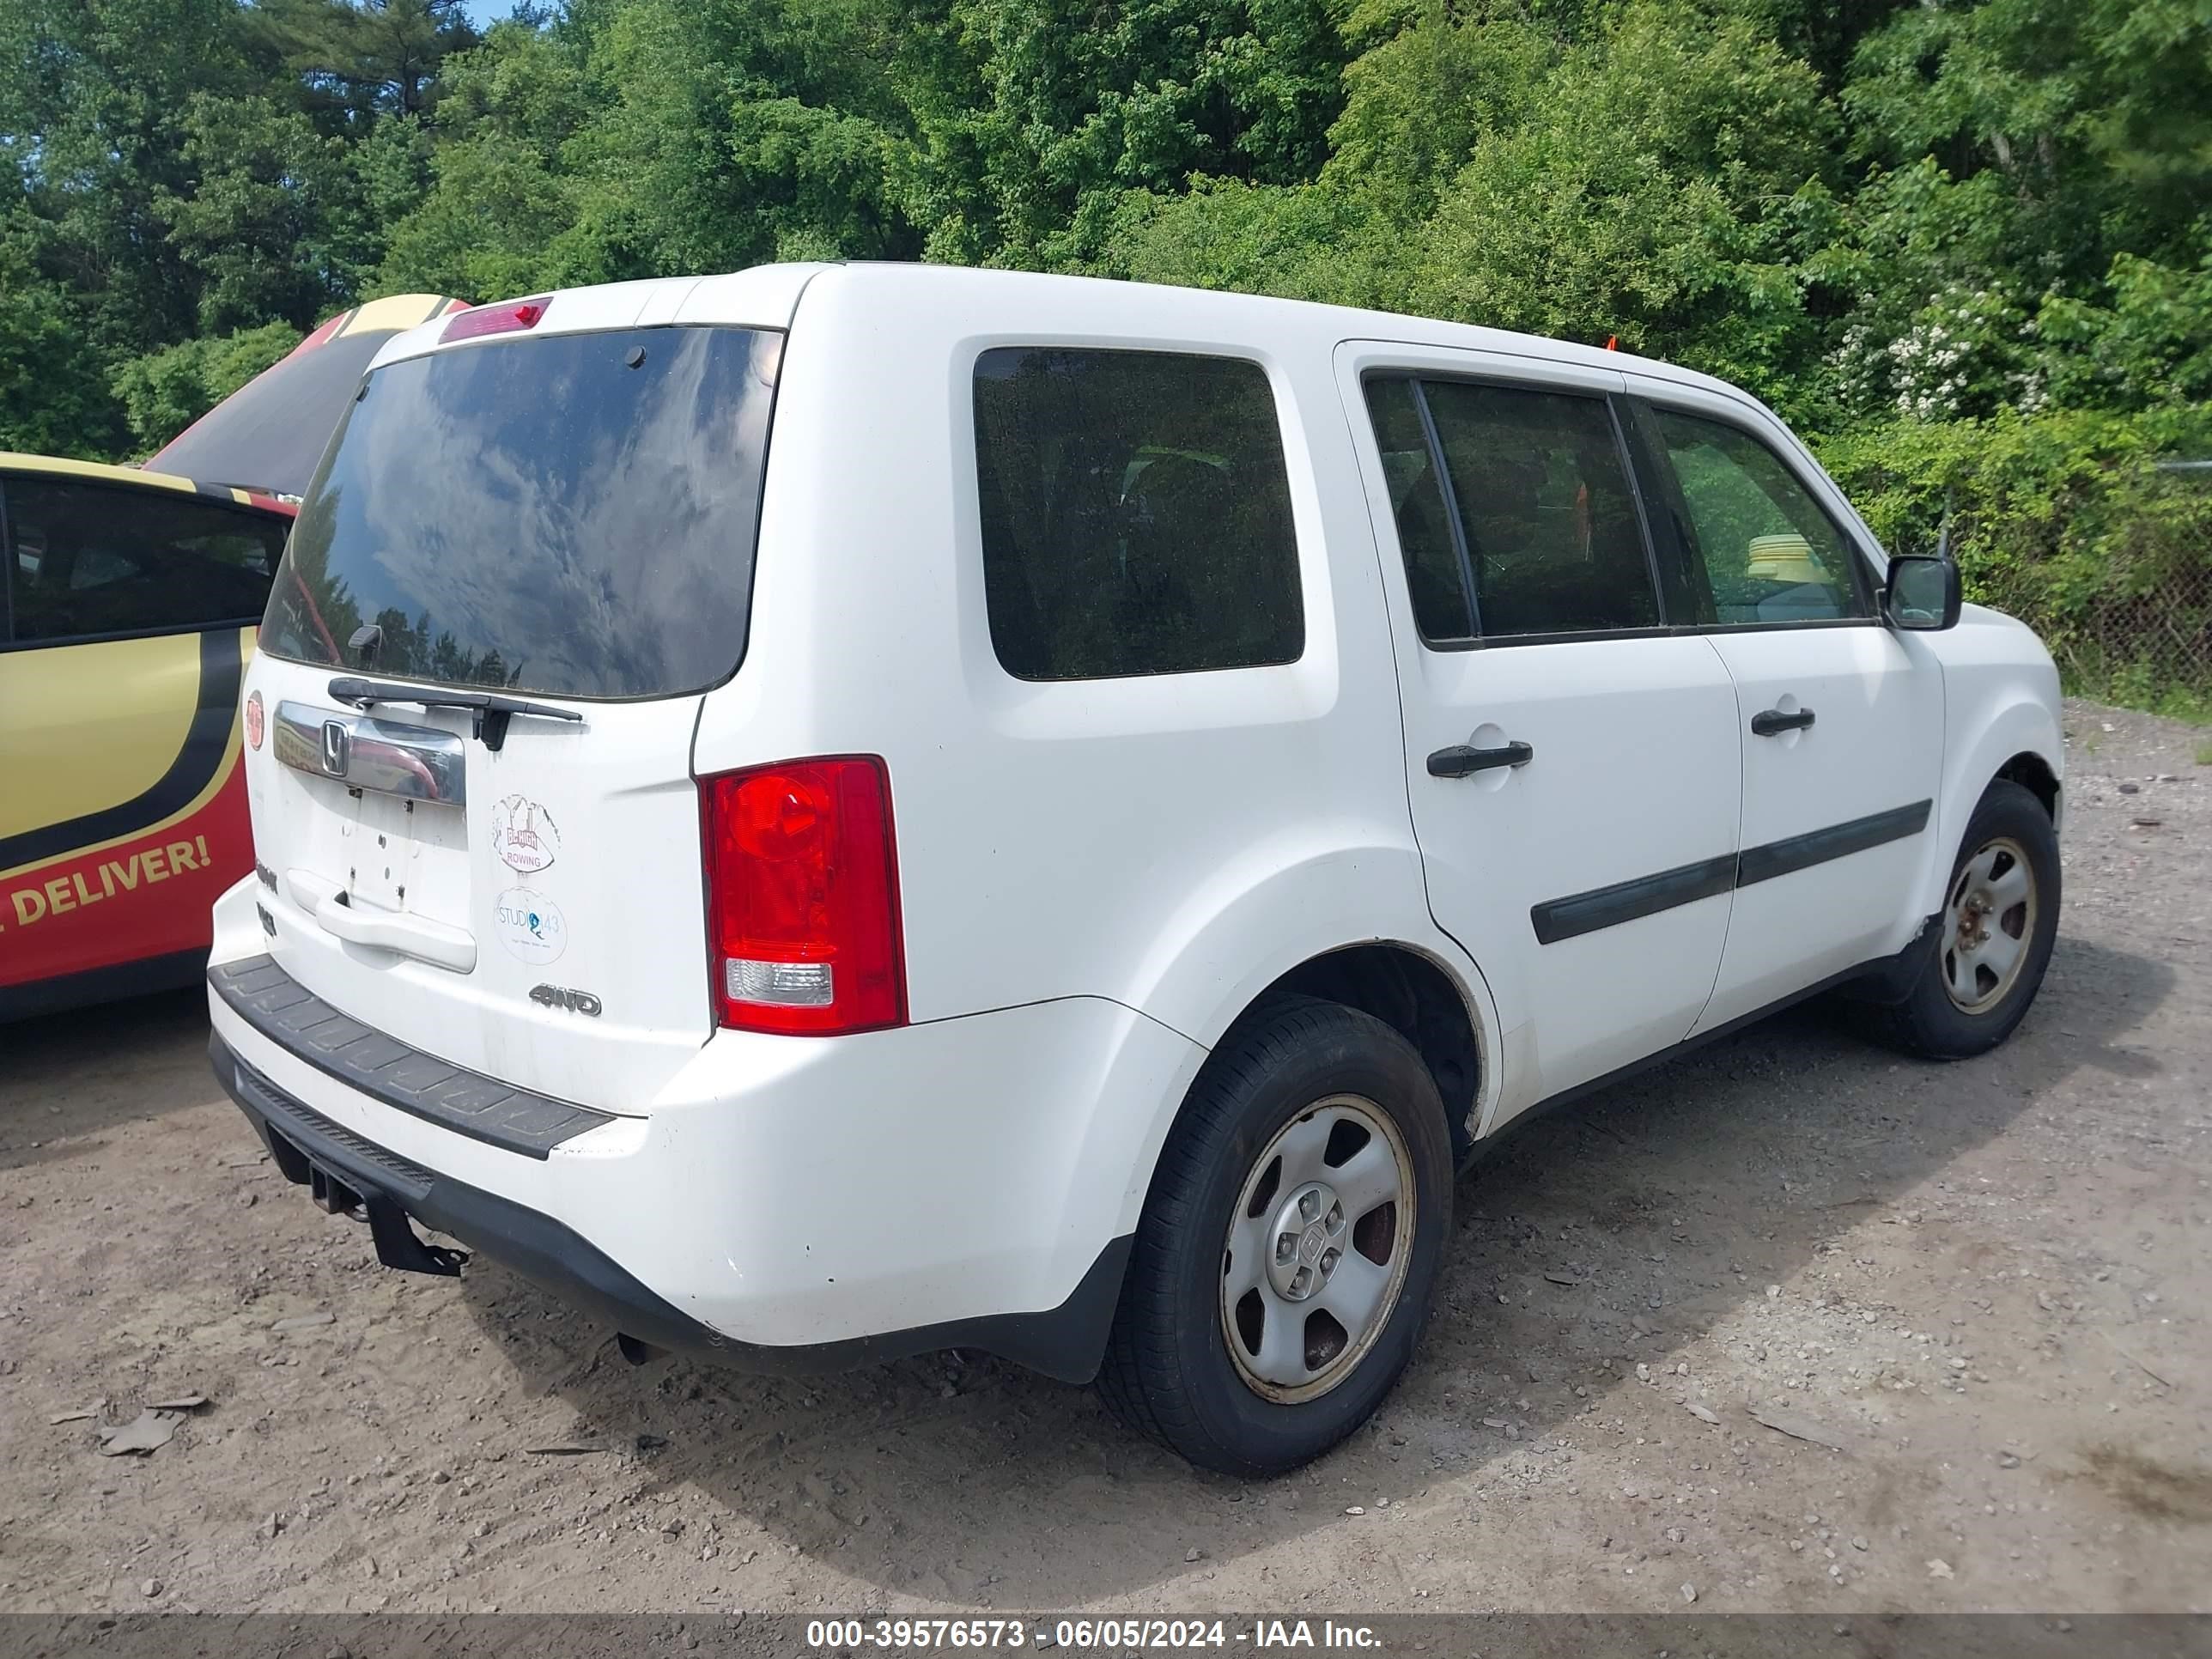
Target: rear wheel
[(1288, 1246), (1984, 959)]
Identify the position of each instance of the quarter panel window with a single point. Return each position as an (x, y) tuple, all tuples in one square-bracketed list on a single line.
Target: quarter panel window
[(1770, 552), (1553, 535), (90, 558), (1136, 514)]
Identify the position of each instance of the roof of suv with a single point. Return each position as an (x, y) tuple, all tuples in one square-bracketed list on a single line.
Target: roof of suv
[(767, 296)]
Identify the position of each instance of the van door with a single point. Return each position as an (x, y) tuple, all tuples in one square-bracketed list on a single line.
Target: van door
[(1842, 729), (1572, 767), (522, 563), (125, 611)]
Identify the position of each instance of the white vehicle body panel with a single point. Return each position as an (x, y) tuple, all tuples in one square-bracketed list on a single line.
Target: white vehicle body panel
[(1096, 878)]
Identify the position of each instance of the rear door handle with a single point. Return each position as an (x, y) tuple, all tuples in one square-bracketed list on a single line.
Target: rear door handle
[(1460, 760), (1773, 722)]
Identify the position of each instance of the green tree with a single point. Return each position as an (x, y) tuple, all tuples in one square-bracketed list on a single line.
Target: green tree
[(92, 112), (357, 59), (274, 224), (1036, 115), (53, 396)]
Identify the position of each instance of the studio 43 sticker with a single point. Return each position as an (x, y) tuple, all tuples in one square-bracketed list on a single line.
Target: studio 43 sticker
[(524, 836), (529, 925)]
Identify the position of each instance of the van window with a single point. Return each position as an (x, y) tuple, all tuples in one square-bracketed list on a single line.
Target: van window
[(571, 514), (89, 558), (1436, 577), (1136, 514), (1770, 552), (1552, 534)]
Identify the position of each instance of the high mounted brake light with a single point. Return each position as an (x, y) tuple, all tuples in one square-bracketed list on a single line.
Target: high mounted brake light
[(507, 317), (803, 898)]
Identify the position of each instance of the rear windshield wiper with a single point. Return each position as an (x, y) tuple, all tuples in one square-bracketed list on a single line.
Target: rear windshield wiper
[(491, 710)]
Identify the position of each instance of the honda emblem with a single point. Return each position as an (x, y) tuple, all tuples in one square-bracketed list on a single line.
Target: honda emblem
[(337, 741)]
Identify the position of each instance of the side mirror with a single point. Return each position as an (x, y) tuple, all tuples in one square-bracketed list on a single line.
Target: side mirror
[(1921, 594)]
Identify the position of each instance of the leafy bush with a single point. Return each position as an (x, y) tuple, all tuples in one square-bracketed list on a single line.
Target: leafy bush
[(2065, 520)]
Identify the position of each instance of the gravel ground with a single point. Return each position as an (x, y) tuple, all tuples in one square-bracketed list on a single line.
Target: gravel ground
[(1789, 1325)]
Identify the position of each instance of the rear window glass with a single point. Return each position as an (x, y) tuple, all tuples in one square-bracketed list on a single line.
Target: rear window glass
[(1136, 514), (573, 514)]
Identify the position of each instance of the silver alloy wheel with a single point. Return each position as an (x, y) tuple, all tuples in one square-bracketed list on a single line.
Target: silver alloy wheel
[(1317, 1249), (1988, 926)]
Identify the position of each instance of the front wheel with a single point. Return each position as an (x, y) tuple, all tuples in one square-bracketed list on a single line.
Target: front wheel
[(1985, 956), (1288, 1246)]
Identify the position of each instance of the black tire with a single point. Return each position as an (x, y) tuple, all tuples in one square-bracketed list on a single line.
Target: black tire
[(1929, 1022), (1168, 1371)]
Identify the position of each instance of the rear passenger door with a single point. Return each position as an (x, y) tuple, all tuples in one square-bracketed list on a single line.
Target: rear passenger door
[(1573, 764), (1842, 721)]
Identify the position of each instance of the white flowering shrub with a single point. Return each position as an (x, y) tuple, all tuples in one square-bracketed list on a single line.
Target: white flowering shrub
[(1965, 352)]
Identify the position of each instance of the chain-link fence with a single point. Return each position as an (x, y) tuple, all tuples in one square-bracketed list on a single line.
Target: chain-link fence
[(2095, 529), (2135, 624)]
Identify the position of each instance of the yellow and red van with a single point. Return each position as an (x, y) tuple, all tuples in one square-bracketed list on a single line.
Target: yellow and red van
[(129, 601)]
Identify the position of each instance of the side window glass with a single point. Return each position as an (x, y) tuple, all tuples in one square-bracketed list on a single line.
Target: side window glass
[(93, 558), (1766, 548), (1553, 535), (1434, 576), (1136, 512)]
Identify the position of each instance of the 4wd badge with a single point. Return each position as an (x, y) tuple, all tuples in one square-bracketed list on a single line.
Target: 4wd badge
[(523, 835)]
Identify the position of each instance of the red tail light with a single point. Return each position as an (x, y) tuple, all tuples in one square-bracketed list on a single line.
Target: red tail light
[(803, 898), (507, 317)]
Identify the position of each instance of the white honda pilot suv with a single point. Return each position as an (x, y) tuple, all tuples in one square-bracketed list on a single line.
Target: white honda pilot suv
[(839, 811)]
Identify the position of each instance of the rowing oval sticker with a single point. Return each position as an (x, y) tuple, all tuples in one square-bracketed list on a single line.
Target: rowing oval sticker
[(529, 925), (524, 836)]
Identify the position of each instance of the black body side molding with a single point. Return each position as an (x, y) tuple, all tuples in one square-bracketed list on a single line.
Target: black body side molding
[(1625, 901)]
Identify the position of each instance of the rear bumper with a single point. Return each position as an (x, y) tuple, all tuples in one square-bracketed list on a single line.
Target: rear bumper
[(536, 1246), (1064, 1342), (786, 1203)]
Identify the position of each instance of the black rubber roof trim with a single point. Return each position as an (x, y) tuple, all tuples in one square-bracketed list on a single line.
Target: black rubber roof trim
[(483, 1109)]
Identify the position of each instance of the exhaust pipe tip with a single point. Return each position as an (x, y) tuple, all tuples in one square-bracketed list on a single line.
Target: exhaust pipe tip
[(636, 1350)]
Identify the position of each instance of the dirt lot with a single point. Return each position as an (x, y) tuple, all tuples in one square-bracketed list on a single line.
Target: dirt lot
[(1985, 1283)]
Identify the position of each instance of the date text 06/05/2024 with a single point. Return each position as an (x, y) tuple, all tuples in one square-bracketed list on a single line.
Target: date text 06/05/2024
[(1116, 1635)]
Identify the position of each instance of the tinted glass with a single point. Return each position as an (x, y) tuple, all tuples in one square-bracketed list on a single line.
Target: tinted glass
[(1434, 578), (1136, 514), (89, 558), (1768, 551), (573, 514), (1552, 529)]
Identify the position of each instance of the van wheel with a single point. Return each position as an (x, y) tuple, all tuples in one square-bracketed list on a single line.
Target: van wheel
[(1288, 1248), (1984, 959)]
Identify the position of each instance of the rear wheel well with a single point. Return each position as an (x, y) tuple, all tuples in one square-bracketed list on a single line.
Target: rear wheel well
[(2033, 774), (1409, 993)]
